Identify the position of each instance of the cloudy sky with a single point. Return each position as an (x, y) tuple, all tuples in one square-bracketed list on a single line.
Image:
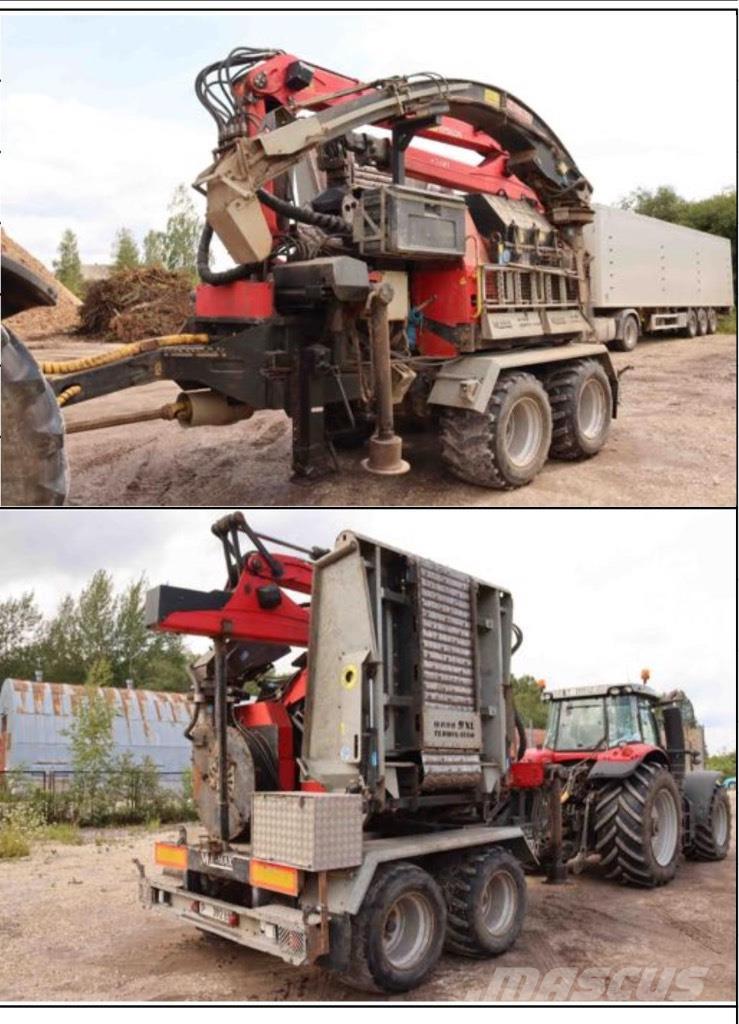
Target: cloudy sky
[(100, 122), (599, 594)]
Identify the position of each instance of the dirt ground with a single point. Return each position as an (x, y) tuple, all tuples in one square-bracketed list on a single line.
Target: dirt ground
[(71, 929), (673, 444)]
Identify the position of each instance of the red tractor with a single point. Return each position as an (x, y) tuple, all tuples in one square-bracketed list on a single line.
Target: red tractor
[(622, 798)]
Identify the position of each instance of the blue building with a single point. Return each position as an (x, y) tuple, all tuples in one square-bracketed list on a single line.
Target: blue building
[(35, 718)]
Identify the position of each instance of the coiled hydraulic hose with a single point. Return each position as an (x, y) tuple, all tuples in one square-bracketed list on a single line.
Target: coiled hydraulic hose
[(208, 276), (123, 352)]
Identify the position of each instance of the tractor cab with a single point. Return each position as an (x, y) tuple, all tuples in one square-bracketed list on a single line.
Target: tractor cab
[(592, 721)]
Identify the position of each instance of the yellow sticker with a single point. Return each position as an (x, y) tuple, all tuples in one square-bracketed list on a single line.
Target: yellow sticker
[(491, 96), (349, 677)]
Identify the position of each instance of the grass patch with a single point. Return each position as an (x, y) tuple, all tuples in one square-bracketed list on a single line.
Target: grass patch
[(62, 832), (13, 844), (727, 324)]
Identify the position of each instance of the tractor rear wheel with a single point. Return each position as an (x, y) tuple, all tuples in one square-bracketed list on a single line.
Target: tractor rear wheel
[(505, 446), (398, 934), (34, 466), (581, 401), (691, 326), (629, 336), (485, 893), (702, 322), (712, 837), (638, 826)]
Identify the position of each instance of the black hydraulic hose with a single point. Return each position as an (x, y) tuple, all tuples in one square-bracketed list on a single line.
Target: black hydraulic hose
[(208, 276), (193, 722), (326, 221), (518, 633), (521, 730)]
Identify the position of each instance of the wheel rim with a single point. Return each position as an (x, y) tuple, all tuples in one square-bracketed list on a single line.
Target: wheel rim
[(407, 930), (592, 409), (631, 333), (664, 828), (524, 432), (720, 823), (498, 904)]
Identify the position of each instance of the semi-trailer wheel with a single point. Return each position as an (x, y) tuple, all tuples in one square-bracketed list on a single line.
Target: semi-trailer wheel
[(629, 335), (638, 827), (702, 322), (581, 401), (691, 327), (712, 320), (398, 934), (34, 466), (711, 838), (485, 893), (505, 446)]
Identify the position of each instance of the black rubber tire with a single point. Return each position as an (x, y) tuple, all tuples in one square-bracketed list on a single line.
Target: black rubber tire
[(369, 968), (565, 387), (623, 827), (474, 446), (691, 328), (705, 844), (34, 465), (712, 320), (629, 336), (463, 881)]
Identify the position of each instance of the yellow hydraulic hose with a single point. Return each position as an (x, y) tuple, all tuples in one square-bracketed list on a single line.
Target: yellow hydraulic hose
[(64, 396), (123, 352)]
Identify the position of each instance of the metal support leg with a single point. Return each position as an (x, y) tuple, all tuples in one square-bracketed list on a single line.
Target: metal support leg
[(220, 711), (385, 447), (556, 868), (311, 455)]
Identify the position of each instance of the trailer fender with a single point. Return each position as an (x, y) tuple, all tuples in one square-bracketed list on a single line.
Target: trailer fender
[(23, 289), (698, 789), (468, 382)]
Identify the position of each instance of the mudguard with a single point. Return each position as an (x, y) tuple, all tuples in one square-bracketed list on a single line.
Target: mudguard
[(698, 789), (622, 768)]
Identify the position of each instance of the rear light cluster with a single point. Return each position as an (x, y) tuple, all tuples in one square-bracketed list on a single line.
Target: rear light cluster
[(231, 918)]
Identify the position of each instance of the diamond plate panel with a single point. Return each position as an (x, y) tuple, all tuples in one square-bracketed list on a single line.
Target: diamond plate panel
[(312, 831)]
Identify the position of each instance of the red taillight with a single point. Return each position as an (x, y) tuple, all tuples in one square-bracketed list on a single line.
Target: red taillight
[(233, 919), (195, 907)]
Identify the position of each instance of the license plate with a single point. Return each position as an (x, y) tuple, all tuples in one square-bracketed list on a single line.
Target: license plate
[(218, 914)]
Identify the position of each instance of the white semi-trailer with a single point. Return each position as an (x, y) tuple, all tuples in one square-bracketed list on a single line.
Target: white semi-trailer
[(651, 276)]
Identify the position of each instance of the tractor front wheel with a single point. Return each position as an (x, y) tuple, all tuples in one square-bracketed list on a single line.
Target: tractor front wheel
[(712, 837), (638, 827)]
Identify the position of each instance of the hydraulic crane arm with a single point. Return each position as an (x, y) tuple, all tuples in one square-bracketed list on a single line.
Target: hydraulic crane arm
[(233, 182)]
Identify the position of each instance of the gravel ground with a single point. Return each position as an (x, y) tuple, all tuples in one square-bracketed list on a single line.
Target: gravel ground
[(673, 444), (71, 929)]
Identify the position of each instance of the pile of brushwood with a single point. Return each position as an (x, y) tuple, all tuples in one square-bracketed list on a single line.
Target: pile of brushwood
[(138, 303)]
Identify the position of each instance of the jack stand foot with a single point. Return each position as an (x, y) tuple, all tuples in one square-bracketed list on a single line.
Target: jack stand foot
[(556, 873), (385, 456)]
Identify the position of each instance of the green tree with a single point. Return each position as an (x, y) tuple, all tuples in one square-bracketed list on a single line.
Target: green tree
[(20, 634), (182, 233), (96, 619), (59, 651), (91, 742), (67, 266), (724, 761), (125, 251), (663, 202), (527, 698), (154, 249)]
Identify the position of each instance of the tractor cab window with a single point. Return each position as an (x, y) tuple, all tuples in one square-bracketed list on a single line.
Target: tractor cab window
[(623, 725), (577, 725), (649, 731)]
